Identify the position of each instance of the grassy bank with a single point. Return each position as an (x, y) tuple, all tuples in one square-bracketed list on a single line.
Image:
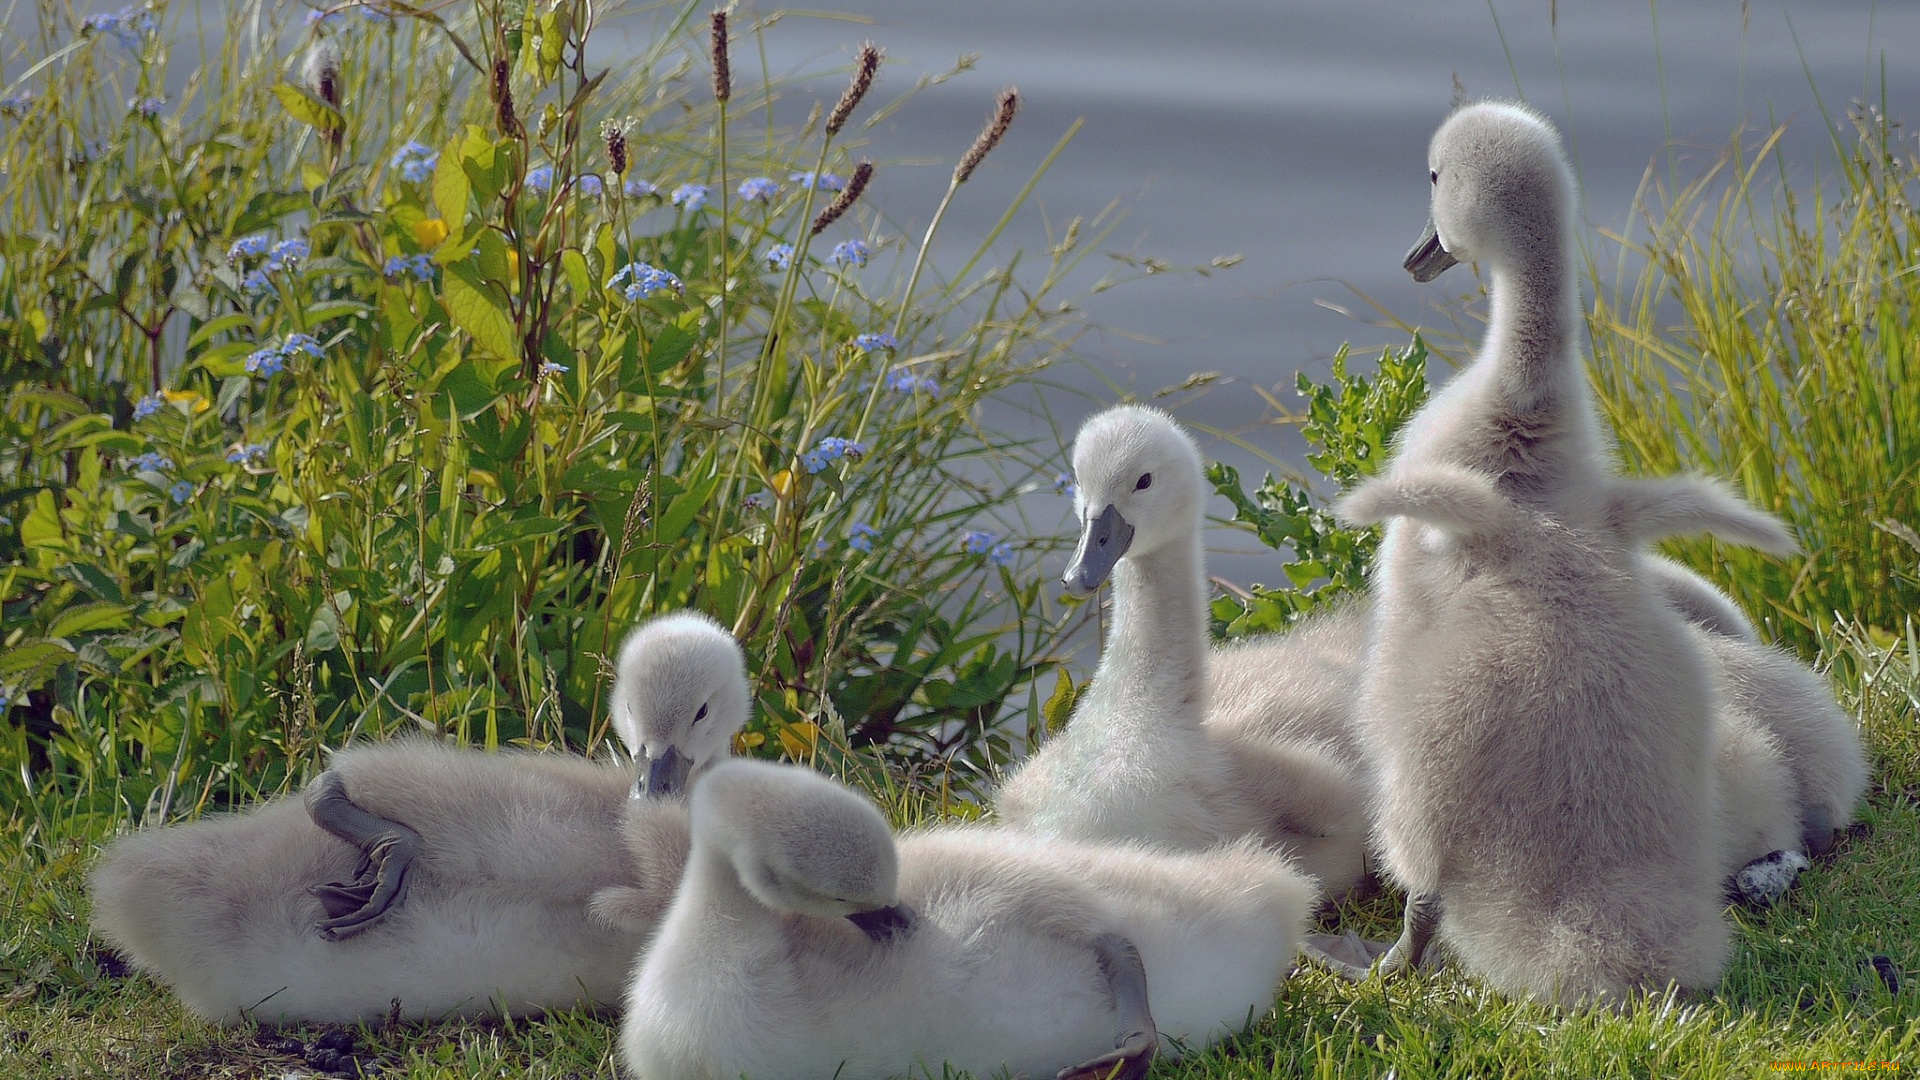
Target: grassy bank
[(370, 375)]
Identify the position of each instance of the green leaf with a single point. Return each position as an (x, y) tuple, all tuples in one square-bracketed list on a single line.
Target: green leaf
[(450, 185), (80, 618), (221, 325), (476, 308), (308, 109), (1059, 704)]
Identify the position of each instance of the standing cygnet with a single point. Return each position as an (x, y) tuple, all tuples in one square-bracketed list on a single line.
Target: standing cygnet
[(805, 943), (1545, 731), (1540, 712), (1137, 762), (453, 880)]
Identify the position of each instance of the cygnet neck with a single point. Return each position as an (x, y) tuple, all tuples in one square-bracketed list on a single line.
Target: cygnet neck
[(1154, 667), (1535, 322)]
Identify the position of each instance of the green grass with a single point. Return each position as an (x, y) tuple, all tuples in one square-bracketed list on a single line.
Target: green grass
[(164, 658)]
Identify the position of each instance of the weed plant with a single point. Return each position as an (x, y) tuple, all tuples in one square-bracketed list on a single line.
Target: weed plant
[(379, 370), (1769, 337)]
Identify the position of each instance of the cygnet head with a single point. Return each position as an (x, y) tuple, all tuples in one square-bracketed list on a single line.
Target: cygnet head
[(1140, 484), (1501, 190), (679, 697), (802, 843)]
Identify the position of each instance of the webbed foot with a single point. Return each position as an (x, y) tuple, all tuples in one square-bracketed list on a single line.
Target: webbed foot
[(1348, 955), (1423, 918), (1138, 1039), (1762, 882), (1129, 1061), (387, 850)]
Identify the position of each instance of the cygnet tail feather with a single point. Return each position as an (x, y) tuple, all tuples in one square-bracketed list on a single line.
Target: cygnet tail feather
[(1455, 500), (1653, 509)]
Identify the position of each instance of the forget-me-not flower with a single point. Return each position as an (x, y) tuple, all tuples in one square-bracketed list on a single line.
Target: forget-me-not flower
[(548, 367), (147, 107), (540, 179), (147, 406), (269, 361), (824, 181), (414, 162), (638, 280), (241, 455), (589, 184), (872, 342), (902, 381), (759, 189), (851, 253), (638, 188), (828, 450), (690, 197), (151, 461), (860, 536), (16, 104), (182, 490), (780, 256), (420, 266), (248, 247)]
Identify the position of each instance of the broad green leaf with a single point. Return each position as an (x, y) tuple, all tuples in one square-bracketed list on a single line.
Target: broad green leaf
[(476, 308), (308, 109)]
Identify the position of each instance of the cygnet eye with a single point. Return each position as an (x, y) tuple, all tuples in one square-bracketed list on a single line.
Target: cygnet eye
[(701, 715), (1434, 175), (1145, 482)]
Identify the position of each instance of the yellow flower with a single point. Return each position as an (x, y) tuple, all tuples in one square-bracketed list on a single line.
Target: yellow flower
[(192, 400), (430, 233), (798, 739), (783, 482), (744, 742)]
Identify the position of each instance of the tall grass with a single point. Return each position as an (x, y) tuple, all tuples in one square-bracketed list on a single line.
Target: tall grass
[(389, 366), (1769, 336)]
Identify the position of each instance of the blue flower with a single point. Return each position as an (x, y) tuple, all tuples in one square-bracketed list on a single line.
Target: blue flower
[(871, 342), (182, 490), (759, 189), (248, 247), (316, 17), (16, 104), (548, 367), (242, 455), (829, 450), (756, 501), (128, 26), (147, 406), (301, 343), (690, 197), (283, 255), (420, 266), (638, 280), (268, 361), (540, 179), (638, 189), (151, 461), (902, 381), (590, 184), (1001, 555), (1064, 484), (256, 282), (824, 181), (860, 536), (147, 107), (779, 256), (415, 162), (851, 253), (976, 542), (4, 699)]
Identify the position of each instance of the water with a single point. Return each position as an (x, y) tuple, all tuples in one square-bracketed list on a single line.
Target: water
[(1295, 135)]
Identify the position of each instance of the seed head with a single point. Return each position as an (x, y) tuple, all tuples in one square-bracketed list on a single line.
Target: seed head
[(322, 71), (503, 100), (856, 184), (989, 136), (722, 74), (865, 68), (614, 132)]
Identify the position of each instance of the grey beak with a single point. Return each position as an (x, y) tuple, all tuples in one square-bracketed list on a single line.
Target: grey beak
[(882, 925), (1428, 259), (666, 776), (1102, 542)]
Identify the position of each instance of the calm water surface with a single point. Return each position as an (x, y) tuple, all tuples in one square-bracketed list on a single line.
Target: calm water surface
[(1295, 134)]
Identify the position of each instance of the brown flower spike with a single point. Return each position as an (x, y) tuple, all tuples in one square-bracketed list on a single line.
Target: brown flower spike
[(989, 136), (856, 184), (865, 68), (503, 100), (722, 73)]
